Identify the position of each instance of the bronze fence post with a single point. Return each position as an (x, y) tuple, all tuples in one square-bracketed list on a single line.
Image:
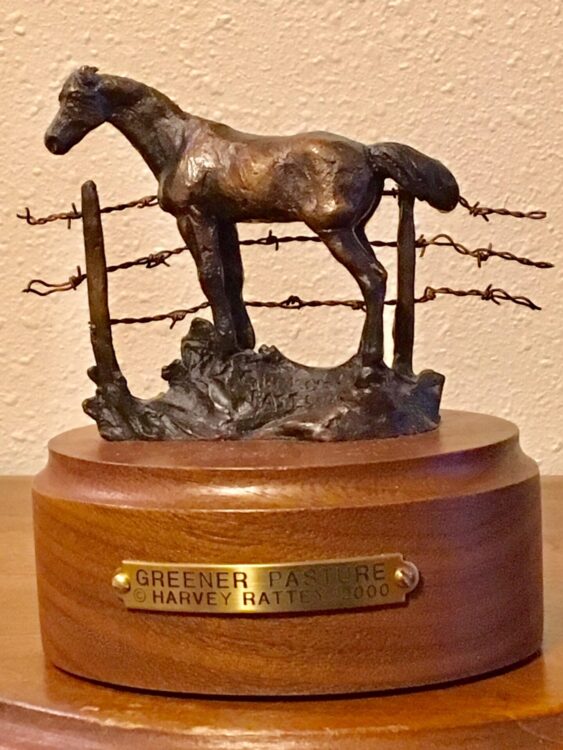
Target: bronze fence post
[(403, 327), (107, 367)]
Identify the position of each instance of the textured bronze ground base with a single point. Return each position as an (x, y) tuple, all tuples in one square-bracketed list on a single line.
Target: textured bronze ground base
[(265, 395), (461, 502)]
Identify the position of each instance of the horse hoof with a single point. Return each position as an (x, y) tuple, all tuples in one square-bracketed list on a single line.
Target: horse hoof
[(405, 373), (370, 375), (226, 343), (246, 340)]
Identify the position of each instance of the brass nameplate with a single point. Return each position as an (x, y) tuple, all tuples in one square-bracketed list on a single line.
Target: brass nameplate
[(266, 589)]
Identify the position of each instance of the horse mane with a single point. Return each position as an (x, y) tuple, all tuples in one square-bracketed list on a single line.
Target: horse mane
[(119, 90), (126, 91)]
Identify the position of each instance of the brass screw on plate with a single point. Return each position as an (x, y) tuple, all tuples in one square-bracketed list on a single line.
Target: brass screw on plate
[(121, 582), (406, 576)]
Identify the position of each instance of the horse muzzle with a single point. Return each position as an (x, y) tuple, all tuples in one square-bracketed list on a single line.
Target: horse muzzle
[(54, 144)]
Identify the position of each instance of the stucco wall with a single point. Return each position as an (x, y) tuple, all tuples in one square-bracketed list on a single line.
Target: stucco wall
[(476, 84)]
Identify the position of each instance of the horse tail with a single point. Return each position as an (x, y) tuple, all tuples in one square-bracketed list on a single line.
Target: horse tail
[(426, 178)]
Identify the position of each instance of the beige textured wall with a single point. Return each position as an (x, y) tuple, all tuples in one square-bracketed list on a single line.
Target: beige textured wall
[(476, 84)]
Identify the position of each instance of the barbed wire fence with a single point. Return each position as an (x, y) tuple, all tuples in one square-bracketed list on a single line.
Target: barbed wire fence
[(481, 255)]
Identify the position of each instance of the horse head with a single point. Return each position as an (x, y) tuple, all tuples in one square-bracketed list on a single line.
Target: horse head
[(83, 107)]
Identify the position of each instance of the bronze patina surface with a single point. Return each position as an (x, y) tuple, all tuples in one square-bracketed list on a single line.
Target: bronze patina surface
[(211, 177)]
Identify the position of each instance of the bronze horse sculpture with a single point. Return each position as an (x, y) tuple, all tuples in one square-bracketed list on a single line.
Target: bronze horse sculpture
[(210, 177)]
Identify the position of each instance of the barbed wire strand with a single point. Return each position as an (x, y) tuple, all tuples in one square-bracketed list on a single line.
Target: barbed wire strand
[(147, 201), (481, 254), (475, 209), (73, 282), (293, 302), (478, 210), (70, 216)]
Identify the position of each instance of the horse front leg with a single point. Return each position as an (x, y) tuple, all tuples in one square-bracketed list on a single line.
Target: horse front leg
[(234, 280), (201, 235)]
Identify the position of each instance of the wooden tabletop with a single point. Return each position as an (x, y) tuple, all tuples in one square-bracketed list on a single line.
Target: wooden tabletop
[(41, 707)]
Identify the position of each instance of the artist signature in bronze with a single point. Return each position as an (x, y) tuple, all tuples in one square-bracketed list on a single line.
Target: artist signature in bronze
[(211, 177)]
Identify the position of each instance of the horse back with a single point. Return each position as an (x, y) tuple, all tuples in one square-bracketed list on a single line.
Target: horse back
[(306, 177)]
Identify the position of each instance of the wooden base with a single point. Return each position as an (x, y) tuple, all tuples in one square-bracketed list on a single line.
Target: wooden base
[(461, 502), (41, 706)]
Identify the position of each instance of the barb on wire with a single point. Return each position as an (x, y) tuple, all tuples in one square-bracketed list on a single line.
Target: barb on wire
[(478, 210), (293, 302)]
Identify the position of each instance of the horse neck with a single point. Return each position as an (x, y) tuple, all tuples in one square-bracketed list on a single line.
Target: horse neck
[(150, 121)]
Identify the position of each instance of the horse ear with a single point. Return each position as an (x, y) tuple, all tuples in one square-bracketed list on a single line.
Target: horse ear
[(88, 76)]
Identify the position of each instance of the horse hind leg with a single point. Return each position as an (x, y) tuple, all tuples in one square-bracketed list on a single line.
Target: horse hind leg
[(403, 326), (233, 274), (371, 277)]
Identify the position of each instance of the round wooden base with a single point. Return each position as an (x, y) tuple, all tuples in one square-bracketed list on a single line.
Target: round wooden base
[(461, 502), (44, 707)]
